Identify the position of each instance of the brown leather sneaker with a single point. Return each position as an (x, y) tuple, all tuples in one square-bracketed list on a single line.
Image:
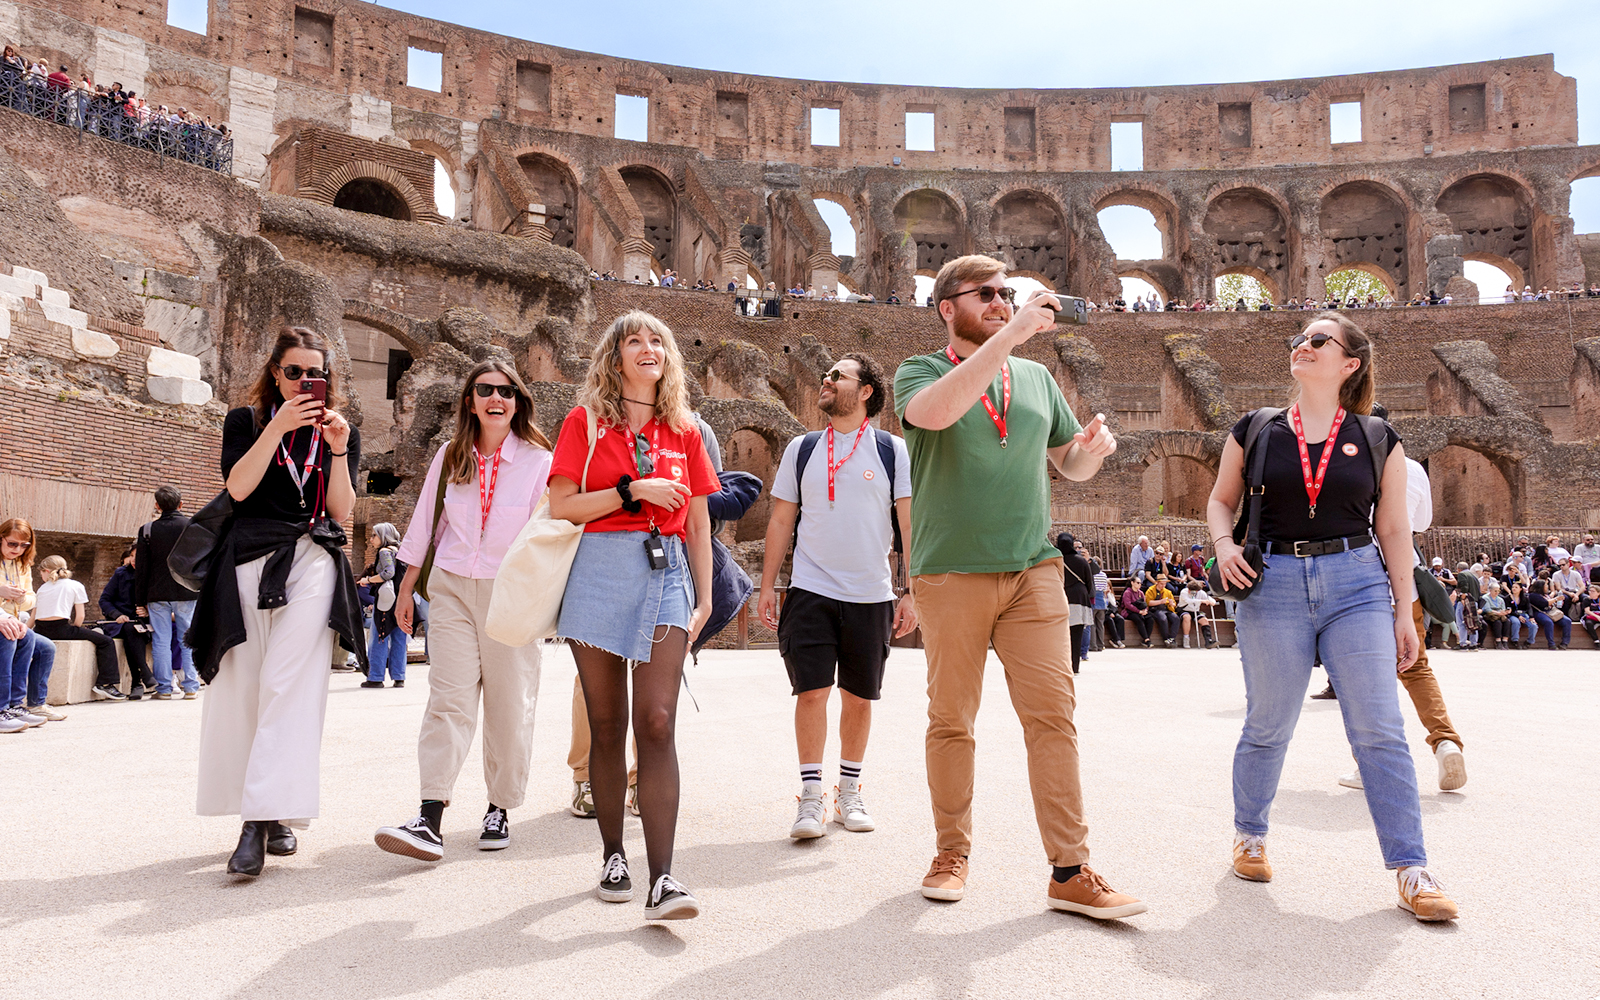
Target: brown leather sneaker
[(1088, 894), (947, 877), (1250, 858), (1422, 894)]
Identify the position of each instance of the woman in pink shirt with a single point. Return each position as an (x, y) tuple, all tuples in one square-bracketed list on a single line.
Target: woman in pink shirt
[(495, 468)]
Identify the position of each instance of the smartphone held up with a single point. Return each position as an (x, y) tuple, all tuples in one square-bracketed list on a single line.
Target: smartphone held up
[(317, 389)]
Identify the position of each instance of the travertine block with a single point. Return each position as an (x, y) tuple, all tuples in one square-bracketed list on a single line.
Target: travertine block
[(55, 297), (164, 363), (13, 285), (178, 391), (31, 276), (65, 315), (93, 343)]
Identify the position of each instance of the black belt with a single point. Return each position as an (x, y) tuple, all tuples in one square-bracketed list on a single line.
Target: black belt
[(1325, 547)]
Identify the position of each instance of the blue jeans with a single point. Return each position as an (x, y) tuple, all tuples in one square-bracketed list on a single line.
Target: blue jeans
[(1547, 625), (390, 652), (1338, 604), (163, 633), (25, 666)]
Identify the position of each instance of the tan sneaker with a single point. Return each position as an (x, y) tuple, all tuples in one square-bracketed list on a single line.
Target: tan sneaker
[(1250, 858), (1088, 894), (47, 713), (1422, 894), (947, 877)]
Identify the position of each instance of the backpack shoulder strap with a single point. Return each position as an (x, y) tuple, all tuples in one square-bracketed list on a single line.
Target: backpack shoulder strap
[(808, 444), (1376, 430), (1258, 423)]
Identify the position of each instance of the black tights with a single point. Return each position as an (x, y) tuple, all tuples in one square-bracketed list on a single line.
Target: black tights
[(655, 714), (1076, 642)]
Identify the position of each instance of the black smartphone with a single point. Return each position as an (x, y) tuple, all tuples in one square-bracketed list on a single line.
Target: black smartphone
[(317, 388), (1071, 309)]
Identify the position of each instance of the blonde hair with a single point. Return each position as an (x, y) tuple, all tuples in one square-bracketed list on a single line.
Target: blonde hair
[(602, 387), (54, 568)]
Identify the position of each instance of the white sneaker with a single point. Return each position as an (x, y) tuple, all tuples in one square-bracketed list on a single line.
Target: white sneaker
[(1452, 766), (851, 812), (10, 723), (1352, 780), (1185, 642), (812, 819), (29, 718), (582, 800)]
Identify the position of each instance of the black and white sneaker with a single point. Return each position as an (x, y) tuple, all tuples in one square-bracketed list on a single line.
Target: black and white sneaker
[(496, 833), (109, 693), (414, 840), (670, 901), (615, 885)]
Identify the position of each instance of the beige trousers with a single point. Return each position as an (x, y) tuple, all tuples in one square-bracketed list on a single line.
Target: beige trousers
[(1025, 616), (464, 665)]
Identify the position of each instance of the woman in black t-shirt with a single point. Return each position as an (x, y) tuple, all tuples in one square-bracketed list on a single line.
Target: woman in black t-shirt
[(277, 591), (1325, 589)]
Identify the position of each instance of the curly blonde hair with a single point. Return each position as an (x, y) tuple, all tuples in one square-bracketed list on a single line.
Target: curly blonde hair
[(602, 388)]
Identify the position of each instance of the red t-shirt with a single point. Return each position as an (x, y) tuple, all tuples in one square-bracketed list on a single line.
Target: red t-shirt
[(677, 456)]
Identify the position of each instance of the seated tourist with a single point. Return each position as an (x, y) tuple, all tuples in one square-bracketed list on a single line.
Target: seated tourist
[(1135, 609), (1548, 616), (1495, 614), (58, 616), (1194, 607), (1163, 609)]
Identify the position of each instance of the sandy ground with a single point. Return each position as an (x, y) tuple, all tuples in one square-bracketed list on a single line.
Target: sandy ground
[(112, 887)]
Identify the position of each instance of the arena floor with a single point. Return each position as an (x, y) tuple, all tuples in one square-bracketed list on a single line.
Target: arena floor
[(113, 888)]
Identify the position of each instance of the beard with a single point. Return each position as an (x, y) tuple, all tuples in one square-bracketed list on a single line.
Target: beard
[(837, 406), (972, 328)]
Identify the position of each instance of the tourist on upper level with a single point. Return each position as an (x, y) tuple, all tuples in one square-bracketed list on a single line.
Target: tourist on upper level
[(123, 611), (1587, 556), (983, 572), (278, 593), (169, 603)]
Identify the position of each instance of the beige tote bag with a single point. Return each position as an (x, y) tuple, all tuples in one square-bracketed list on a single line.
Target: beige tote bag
[(526, 601)]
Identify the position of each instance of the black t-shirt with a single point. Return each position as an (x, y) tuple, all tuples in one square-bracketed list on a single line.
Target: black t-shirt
[(1348, 493), (276, 497)]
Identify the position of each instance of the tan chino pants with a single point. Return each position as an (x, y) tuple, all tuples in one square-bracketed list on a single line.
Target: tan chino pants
[(1423, 688), (1024, 615)]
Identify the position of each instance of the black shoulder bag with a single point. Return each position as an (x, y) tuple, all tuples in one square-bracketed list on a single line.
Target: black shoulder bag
[(1251, 522)]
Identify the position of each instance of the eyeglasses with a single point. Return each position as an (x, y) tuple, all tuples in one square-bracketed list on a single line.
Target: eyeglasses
[(836, 376), (294, 372), (1317, 341), (986, 293), (487, 389), (641, 455)]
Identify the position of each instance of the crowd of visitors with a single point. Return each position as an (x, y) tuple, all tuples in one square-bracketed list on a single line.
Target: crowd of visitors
[(28, 86)]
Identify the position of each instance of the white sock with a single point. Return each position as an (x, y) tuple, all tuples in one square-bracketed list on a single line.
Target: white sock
[(811, 779), (849, 775)]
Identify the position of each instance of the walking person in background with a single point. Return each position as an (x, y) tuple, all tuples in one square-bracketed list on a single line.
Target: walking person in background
[(387, 651), (26, 657), (629, 608), (169, 603), (118, 605), (495, 467), (59, 616), (1326, 588), (278, 592), (1076, 580)]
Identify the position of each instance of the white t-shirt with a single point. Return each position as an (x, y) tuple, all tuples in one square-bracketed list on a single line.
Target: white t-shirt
[(1589, 555), (56, 598), (843, 553), (1419, 500)]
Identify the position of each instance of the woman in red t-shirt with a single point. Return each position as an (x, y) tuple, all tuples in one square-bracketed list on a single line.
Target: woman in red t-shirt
[(647, 534)]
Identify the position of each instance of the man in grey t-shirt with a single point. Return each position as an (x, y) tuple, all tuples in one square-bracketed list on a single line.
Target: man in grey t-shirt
[(840, 611)]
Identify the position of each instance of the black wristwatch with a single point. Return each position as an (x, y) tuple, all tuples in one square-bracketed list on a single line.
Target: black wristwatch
[(625, 491)]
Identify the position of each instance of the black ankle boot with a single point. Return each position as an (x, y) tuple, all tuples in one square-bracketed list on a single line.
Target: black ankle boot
[(249, 856), (280, 840)]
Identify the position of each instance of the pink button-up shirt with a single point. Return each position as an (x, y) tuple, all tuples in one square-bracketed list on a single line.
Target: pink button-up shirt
[(462, 548)]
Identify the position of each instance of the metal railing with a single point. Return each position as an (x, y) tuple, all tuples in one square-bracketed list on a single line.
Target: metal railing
[(100, 116)]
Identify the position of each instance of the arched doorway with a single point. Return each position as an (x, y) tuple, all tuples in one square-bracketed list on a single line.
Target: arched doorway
[(373, 197), (1365, 224), (1250, 235), (932, 222), (1495, 216), (659, 206), (748, 450), (1028, 229), (1177, 486), (1470, 488), (551, 184)]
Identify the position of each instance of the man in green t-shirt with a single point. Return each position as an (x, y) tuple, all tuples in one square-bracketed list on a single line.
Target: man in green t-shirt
[(979, 424)]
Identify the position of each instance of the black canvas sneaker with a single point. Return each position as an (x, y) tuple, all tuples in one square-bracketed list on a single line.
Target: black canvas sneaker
[(670, 901), (615, 885), (496, 833), (414, 840)]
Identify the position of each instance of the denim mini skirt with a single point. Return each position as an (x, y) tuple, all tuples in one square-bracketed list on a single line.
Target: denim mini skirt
[(614, 600)]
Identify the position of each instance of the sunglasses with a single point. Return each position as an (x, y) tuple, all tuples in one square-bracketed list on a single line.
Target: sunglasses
[(986, 293), (641, 455), (1317, 341), (836, 376), (486, 389), (294, 372)]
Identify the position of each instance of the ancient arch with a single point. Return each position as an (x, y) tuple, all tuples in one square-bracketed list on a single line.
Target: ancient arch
[(551, 184), (658, 203), (1028, 228), (1268, 284), (933, 221), (1180, 469), (1475, 485), (1376, 271), (1248, 228), (374, 188), (1157, 203), (1494, 213), (1364, 223), (372, 197)]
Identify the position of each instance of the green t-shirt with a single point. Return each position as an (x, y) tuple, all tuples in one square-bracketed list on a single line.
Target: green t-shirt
[(977, 507)]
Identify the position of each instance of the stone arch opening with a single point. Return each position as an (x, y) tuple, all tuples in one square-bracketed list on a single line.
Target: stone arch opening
[(931, 221), (1138, 282), (752, 450), (552, 185), (1365, 223), (1492, 273), (1473, 487), (1583, 202), (1345, 281), (1249, 230), (373, 197), (1176, 486), (659, 205), (1494, 215), (843, 231), (1029, 230), (1265, 287), (1162, 211)]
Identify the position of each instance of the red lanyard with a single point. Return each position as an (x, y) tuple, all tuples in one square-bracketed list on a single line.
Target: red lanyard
[(486, 484), (832, 467), (299, 476), (1314, 486), (1005, 394)]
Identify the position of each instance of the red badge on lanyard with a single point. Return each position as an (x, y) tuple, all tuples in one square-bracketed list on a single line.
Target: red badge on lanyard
[(488, 476), (835, 467), (1314, 486), (1005, 394)]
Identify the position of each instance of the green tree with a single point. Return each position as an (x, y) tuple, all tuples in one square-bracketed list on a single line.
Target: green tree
[(1343, 284), (1233, 287)]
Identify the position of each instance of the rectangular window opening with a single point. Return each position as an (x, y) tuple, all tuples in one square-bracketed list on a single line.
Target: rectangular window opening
[(1234, 120), (533, 86), (313, 38), (190, 15), (1467, 111), (919, 130), (1344, 121), (1020, 132), (424, 68), (824, 126), (1127, 145), (632, 118)]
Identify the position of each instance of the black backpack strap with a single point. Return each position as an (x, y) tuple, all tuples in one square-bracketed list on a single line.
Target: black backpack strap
[(1257, 457), (808, 444), (1376, 430), (885, 442)]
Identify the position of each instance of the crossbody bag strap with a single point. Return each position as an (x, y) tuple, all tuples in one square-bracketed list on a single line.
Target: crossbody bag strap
[(433, 532), (1258, 472), (590, 426)]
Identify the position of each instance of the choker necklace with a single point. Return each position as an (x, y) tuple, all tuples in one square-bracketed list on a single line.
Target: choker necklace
[(638, 402)]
